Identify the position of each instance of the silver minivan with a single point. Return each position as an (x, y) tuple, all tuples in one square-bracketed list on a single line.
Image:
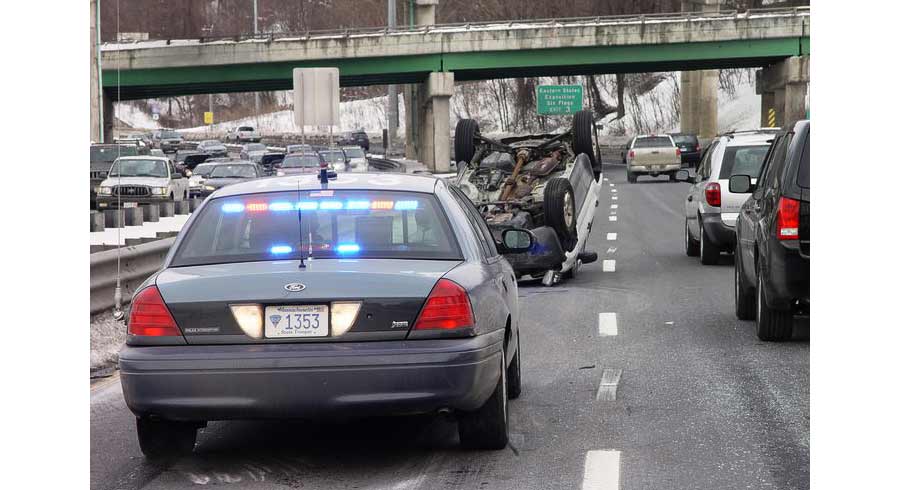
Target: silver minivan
[(710, 210)]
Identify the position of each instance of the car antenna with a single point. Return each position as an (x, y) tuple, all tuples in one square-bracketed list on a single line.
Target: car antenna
[(118, 312), (300, 224)]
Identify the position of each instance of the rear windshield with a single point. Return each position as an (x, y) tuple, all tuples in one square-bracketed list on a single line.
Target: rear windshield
[(169, 134), (685, 138), (803, 175), (743, 160), (354, 153), (332, 156), (300, 161), (256, 147), (245, 128), (203, 169), (211, 143), (653, 142), (108, 154), (340, 224)]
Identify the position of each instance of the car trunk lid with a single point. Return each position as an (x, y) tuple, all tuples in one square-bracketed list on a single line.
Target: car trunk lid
[(391, 293)]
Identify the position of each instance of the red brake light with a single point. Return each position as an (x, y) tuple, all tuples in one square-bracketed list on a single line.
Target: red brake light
[(698, 147), (713, 194), (677, 152), (150, 316), (447, 307), (631, 154), (787, 219)]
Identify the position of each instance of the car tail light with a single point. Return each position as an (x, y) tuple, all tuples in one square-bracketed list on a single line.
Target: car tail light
[(713, 194), (787, 219), (150, 316), (677, 152), (631, 154), (447, 307), (697, 148)]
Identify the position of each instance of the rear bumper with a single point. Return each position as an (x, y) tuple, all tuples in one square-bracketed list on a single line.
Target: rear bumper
[(654, 169), (219, 382), (720, 234), (788, 278)]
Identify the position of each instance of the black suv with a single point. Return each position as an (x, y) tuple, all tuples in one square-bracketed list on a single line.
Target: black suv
[(689, 146), (771, 262), (356, 138)]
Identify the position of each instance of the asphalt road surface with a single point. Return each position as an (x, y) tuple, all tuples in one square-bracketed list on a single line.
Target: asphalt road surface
[(637, 375)]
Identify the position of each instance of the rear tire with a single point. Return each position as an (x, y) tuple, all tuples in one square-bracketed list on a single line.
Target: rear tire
[(744, 308), (691, 246), (165, 439), (632, 178), (583, 130), (488, 427), (771, 325), (560, 212), (672, 177), (514, 373), (464, 140), (709, 253)]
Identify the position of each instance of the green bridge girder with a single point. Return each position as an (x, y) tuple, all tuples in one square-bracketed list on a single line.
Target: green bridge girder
[(743, 53)]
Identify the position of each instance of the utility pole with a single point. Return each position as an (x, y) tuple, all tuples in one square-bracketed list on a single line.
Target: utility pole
[(393, 112), (255, 32)]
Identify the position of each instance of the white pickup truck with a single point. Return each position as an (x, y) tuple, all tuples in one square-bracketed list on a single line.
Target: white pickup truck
[(652, 155), (243, 134)]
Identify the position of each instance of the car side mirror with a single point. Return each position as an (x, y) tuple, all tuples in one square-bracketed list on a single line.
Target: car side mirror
[(516, 240), (740, 184), (682, 176)]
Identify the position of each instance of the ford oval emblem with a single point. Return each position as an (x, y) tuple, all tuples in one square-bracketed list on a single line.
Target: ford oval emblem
[(294, 287)]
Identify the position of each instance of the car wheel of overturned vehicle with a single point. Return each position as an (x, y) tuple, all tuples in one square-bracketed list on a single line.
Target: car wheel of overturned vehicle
[(464, 142), (559, 205), (583, 127)]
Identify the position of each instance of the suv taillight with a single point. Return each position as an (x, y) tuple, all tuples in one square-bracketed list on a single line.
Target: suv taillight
[(631, 154), (713, 194), (150, 316), (787, 219), (677, 152), (697, 148), (447, 307)]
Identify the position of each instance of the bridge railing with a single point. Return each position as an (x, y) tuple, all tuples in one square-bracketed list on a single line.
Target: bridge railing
[(482, 25)]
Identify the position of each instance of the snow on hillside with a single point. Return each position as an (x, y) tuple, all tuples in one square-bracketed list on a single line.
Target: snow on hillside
[(654, 111)]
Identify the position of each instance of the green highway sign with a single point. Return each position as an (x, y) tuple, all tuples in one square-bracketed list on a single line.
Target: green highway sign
[(558, 99)]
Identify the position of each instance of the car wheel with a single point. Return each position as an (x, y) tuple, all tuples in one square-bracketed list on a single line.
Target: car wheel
[(709, 253), (165, 439), (771, 325), (744, 308), (488, 427), (672, 177), (559, 211), (514, 373), (583, 130), (464, 140), (691, 247), (632, 178)]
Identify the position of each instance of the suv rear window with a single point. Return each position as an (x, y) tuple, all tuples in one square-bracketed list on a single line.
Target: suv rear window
[(653, 142), (685, 138), (342, 224), (245, 128), (743, 160), (803, 175)]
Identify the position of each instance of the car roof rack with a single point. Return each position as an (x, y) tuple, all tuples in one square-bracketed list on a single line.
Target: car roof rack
[(747, 131)]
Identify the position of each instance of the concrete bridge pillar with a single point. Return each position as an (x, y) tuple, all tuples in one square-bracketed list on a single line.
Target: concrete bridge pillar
[(95, 79), (108, 118), (699, 88), (414, 98), (434, 135), (783, 87), (425, 12)]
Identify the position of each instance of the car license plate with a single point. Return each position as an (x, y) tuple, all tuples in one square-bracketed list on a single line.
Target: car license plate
[(296, 321), (129, 204)]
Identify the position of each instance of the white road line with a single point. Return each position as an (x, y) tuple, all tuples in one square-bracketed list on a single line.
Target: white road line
[(612, 185), (605, 179), (612, 236), (609, 385), (613, 191), (611, 250), (615, 198), (607, 324), (601, 470), (614, 206), (609, 265), (613, 218)]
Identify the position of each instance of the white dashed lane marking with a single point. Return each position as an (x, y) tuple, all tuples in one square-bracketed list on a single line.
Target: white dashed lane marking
[(613, 218), (601, 470), (611, 250), (615, 198), (611, 236), (609, 265), (613, 191), (607, 324), (609, 385), (614, 206)]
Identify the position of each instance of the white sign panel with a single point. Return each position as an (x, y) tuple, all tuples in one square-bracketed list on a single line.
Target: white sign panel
[(316, 97)]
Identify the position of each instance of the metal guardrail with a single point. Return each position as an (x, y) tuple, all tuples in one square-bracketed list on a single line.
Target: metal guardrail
[(521, 23), (137, 264)]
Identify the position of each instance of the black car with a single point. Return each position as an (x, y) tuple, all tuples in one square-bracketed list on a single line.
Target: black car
[(772, 254), (227, 173), (357, 138), (690, 148)]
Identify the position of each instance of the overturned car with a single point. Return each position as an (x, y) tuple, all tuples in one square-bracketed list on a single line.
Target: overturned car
[(541, 182)]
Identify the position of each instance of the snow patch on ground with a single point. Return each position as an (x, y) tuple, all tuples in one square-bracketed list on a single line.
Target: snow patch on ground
[(107, 337)]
